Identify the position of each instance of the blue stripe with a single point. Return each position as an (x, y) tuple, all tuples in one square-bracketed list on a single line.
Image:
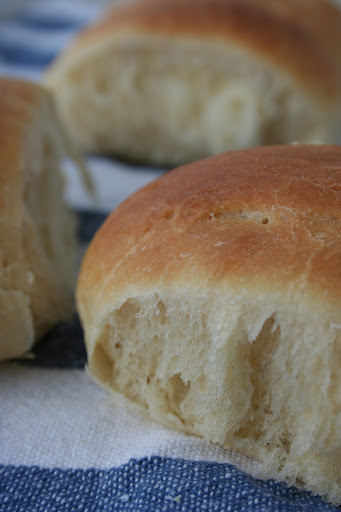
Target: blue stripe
[(34, 37), (150, 484), (62, 347), (17, 54), (46, 23), (88, 223)]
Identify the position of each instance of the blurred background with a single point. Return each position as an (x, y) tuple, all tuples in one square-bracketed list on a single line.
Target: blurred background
[(32, 34)]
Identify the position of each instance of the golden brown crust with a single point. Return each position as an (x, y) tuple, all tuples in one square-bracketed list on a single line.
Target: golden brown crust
[(266, 29), (269, 215), (323, 20)]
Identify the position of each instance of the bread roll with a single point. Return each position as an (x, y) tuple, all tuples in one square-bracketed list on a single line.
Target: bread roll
[(211, 302), (37, 231), (173, 81)]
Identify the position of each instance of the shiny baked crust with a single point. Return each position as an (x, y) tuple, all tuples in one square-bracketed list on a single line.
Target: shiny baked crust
[(211, 301), (37, 235)]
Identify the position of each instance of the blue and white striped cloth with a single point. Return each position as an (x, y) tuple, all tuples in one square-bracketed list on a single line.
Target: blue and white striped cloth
[(63, 445)]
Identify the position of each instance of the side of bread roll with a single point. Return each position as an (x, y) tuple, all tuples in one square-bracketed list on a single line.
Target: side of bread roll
[(37, 231), (211, 302), (173, 81)]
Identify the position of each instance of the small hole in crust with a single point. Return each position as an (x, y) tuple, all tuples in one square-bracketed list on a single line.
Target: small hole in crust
[(148, 380), (168, 214), (264, 220), (118, 345)]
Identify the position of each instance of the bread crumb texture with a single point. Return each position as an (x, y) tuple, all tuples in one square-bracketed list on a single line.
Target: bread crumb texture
[(171, 82), (37, 231), (211, 302)]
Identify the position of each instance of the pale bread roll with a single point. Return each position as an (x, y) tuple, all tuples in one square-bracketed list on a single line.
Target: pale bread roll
[(171, 81), (37, 230), (211, 302)]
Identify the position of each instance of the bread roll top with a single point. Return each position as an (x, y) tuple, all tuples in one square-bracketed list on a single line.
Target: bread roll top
[(269, 216)]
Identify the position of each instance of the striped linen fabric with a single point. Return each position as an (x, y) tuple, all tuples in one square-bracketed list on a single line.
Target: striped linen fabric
[(63, 445)]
